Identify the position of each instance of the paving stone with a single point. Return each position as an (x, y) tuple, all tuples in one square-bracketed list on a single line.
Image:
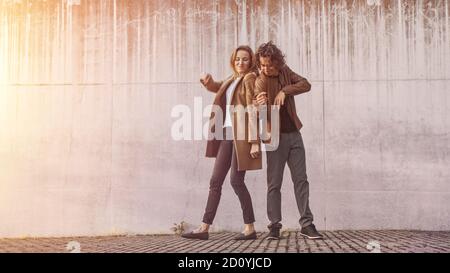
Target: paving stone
[(365, 241)]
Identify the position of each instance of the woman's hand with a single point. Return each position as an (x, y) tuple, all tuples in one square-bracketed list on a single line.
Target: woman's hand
[(254, 151), (205, 78)]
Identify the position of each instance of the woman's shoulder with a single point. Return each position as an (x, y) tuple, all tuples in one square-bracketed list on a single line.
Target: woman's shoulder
[(250, 76), (227, 79)]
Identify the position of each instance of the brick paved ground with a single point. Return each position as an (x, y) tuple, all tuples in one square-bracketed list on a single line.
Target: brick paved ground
[(335, 241)]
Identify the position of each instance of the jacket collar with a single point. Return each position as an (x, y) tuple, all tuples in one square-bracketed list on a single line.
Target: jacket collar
[(223, 88)]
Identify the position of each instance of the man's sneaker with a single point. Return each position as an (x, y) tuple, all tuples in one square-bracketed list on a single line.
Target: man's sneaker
[(310, 232), (274, 231)]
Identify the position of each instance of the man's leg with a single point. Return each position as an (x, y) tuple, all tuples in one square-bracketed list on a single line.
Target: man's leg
[(297, 165), (276, 160)]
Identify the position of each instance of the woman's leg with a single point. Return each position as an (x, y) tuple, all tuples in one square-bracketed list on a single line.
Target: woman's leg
[(221, 167), (238, 184)]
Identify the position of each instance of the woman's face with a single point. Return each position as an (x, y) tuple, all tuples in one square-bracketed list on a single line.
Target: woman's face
[(242, 62)]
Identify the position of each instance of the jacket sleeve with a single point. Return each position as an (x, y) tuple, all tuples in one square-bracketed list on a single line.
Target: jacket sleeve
[(299, 84), (211, 85), (263, 110), (260, 85), (249, 83)]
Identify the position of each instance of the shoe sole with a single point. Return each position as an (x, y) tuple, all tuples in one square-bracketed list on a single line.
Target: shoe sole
[(192, 238), (312, 238), (202, 239), (272, 238), (247, 239)]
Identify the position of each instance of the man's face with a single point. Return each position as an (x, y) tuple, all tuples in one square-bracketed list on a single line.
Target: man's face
[(267, 66)]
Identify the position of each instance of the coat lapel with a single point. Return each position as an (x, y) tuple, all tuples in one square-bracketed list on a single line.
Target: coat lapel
[(222, 90)]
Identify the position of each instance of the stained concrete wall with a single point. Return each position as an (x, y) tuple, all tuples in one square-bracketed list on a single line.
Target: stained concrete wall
[(88, 89)]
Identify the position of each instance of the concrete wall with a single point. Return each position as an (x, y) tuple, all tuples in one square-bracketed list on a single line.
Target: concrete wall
[(87, 90)]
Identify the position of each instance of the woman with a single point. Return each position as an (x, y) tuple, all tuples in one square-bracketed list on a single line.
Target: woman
[(232, 151)]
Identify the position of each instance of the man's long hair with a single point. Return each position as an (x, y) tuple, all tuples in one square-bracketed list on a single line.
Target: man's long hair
[(270, 50)]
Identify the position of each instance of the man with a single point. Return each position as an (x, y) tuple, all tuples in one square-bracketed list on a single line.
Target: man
[(276, 86)]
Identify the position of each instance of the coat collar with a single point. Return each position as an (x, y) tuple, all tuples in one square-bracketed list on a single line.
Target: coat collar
[(223, 88)]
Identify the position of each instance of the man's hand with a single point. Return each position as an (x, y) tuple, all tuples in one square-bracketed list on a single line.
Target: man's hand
[(279, 99), (254, 151), (261, 99)]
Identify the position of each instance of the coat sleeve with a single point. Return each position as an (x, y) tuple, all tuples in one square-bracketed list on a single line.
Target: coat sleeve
[(260, 85), (263, 110), (299, 84), (249, 82), (212, 85)]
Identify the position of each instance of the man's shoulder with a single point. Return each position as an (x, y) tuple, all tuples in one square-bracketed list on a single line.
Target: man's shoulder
[(288, 73), (286, 69)]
